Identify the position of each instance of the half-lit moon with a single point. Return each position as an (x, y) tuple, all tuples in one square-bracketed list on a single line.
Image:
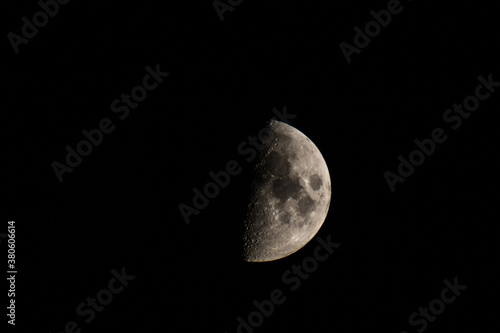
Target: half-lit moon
[(290, 195)]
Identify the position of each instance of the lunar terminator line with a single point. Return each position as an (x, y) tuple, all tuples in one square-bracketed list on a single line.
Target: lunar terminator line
[(290, 196)]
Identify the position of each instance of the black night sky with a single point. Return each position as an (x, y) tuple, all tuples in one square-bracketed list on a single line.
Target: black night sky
[(118, 209)]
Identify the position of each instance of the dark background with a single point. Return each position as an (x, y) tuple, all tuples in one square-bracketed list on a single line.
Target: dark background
[(119, 208)]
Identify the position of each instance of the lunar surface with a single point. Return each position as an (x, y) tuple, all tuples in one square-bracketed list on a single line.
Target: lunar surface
[(290, 195)]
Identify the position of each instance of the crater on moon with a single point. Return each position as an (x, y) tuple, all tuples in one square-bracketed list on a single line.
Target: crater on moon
[(277, 164), (315, 182), (306, 205), (285, 187), (285, 217)]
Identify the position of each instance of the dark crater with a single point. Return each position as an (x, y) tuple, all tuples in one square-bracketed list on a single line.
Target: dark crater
[(277, 164), (306, 205), (315, 182), (285, 187), (285, 217)]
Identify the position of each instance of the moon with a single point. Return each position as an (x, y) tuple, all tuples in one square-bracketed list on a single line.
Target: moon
[(290, 196)]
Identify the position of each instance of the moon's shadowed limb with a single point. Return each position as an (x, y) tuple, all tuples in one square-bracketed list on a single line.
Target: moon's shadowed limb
[(290, 197)]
